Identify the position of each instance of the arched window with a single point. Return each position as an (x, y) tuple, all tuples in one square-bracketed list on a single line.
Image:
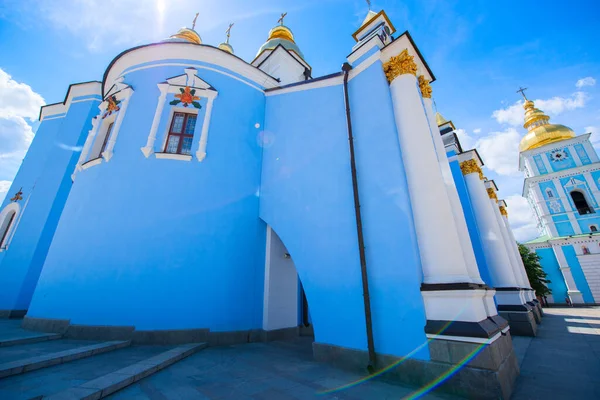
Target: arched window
[(593, 228), (8, 217), (581, 203)]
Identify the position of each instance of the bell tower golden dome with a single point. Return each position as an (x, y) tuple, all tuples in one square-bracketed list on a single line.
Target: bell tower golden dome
[(540, 131)]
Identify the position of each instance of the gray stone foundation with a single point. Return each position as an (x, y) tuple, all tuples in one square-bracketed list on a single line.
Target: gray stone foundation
[(161, 337), (536, 312), (491, 374), (522, 323), (12, 314)]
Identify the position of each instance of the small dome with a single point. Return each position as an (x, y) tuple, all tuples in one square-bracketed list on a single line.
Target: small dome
[(541, 132), (226, 47), (439, 119), (280, 35), (188, 35)]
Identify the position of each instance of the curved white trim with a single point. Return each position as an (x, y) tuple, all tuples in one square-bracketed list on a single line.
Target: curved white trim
[(10, 209), (173, 156), (185, 51)]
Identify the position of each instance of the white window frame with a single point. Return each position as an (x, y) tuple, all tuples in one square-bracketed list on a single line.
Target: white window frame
[(173, 85), (123, 93), (5, 214)]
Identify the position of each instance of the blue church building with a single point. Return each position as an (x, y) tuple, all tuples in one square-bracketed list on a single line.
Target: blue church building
[(198, 196)]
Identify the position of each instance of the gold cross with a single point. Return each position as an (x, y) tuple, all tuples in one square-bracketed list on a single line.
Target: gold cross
[(194, 23), (280, 20), (228, 32), (522, 91)]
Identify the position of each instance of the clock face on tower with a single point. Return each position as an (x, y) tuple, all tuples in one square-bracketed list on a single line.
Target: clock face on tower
[(558, 155)]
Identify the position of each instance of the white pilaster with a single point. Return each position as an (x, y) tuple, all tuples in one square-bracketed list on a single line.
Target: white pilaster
[(546, 163), (494, 250), (442, 260), (542, 209), (149, 148), (572, 290), (455, 203), (201, 153), (107, 154), (89, 140), (515, 249)]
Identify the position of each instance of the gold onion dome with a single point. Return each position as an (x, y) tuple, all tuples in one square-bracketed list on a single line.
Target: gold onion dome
[(280, 35), (439, 119), (189, 35), (226, 47), (541, 132)]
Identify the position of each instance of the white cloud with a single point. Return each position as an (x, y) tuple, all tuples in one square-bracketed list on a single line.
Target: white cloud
[(513, 115), (595, 131), (477, 130), (521, 218), (4, 186), (499, 150), (18, 102), (466, 141), (587, 81), (18, 99)]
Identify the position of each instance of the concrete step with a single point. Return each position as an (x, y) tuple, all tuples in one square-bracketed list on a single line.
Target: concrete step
[(21, 366), (30, 350), (110, 383), (36, 338)]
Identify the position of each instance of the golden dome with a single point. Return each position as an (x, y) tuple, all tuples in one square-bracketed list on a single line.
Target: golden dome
[(439, 119), (187, 34), (280, 35), (541, 132), (226, 47)]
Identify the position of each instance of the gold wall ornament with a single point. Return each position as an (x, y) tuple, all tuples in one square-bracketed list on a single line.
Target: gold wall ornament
[(18, 196), (425, 87), (471, 167), (503, 211), (398, 65), (492, 194)]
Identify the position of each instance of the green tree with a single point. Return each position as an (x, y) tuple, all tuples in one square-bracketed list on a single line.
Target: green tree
[(535, 273)]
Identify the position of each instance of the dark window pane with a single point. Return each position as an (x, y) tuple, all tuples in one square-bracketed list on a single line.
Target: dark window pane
[(190, 125), (172, 144), (186, 148), (177, 123)]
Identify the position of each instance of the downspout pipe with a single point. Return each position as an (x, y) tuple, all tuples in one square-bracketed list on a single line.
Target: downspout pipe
[(361, 240)]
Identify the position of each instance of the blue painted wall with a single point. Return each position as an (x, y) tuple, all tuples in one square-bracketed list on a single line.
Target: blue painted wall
[(566, 162), (192, 226), (45, 176), (552, 268), (583, 156), (469, 214), (578, 275)]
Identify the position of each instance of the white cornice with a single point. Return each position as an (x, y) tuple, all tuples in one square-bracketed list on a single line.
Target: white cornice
[(397, 46), (559, 174), (185, 51), (74, 91)]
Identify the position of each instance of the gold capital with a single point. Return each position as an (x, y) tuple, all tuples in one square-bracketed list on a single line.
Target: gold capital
[(471, 167), (398, 65), (503, 211), (492, 194), (425, 87)]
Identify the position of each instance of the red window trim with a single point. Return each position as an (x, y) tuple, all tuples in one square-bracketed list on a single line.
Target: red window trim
[(181, 134)]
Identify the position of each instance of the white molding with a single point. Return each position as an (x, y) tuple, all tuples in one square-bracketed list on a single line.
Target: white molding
[(125, 64), (455, 305), (201, 153), (12, 207), (466, 339), (316, 84), (75, 90), (89, 140), (149, 148), (173, 156), (91, 163), (114, 134), (397, 46)]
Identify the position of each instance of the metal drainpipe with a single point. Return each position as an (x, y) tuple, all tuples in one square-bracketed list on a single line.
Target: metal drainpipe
[(361, 241)]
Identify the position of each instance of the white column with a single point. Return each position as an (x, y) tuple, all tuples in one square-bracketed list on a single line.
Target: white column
[(455, 203), (201, 153), (441, 255), (572, 290), (515, 249), (107, 154), (494, 251), (149, 148)]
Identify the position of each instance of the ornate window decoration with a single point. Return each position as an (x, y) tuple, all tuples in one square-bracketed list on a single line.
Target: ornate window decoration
[(188, 90), (558, 155), (549, 193), (100, 143)]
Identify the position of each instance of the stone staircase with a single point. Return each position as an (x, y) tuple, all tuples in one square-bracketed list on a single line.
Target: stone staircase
[(38, 365)]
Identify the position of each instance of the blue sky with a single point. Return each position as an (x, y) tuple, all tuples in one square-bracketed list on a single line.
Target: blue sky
[(479, 51)]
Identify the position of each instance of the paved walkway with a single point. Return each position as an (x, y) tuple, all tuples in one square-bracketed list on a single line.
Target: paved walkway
[(563, 361)]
